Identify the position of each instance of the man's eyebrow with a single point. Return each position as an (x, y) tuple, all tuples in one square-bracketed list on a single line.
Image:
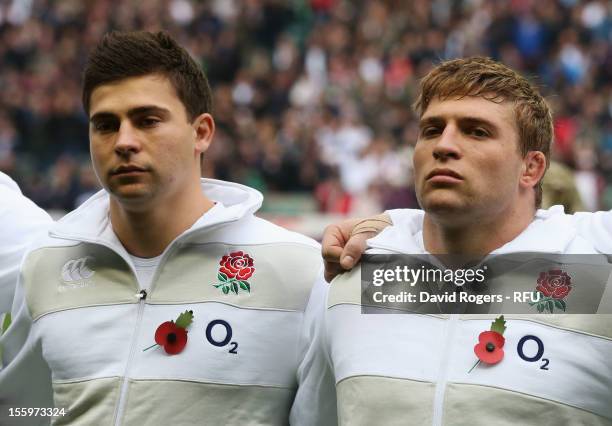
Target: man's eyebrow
[(434, 120), (141, 110), (101, 116), (477, 121), (148, 109), (437, 120)]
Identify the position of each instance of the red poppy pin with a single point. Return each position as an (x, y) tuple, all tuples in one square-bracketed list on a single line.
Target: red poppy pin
[(551, 291), (490, 343), (172, 335), (234, 271)]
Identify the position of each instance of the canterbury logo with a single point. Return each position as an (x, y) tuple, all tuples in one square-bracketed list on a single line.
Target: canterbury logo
[(77, 270)]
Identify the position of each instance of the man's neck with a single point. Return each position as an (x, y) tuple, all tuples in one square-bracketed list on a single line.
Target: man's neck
[(147, 233), (477, 236)]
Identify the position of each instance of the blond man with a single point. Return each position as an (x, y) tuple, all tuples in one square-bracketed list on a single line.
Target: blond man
[(482, 150)]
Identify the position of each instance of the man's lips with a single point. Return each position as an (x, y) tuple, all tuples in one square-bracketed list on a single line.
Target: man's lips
[(122, 170), (443, 175)]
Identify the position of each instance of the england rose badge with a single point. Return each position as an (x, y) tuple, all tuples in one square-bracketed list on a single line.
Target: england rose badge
[(234, 271), (551, 290)]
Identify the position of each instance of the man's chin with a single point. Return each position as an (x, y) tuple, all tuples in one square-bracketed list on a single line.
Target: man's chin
[(133, 193), (444, 204)]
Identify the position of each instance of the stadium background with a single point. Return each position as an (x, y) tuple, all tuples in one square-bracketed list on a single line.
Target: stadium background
[(312, 97)]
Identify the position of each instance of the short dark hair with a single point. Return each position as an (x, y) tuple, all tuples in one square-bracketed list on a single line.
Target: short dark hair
[(121, 55)]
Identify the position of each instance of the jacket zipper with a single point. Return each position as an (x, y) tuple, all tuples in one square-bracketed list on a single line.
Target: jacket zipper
[(451, 325), (142, 295)]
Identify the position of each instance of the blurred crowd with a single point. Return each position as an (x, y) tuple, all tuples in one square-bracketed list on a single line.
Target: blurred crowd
[(310, 96)]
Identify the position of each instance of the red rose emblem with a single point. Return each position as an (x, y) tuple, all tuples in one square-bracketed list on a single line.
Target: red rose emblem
[(554, 283), (234, 271), (237, 265)]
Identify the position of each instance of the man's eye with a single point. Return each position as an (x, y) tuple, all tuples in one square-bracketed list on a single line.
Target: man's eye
[(103, 126), (430, 131), (149, 122), (479, 132)]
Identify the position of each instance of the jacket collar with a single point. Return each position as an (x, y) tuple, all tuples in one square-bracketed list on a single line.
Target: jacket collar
[(551, 231), (91, 222)]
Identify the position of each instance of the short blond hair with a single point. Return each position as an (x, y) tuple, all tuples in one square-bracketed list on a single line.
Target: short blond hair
[(491, 80)]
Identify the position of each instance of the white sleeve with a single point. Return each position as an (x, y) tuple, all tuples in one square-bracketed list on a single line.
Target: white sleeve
[(596, 228), (410, 218), (395, 215), (315, 400), (25, 378), (21, 221)]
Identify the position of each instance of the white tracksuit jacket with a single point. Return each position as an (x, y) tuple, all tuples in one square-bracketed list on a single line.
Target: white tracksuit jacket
[(81, 305), (412, 369), (20, 222)]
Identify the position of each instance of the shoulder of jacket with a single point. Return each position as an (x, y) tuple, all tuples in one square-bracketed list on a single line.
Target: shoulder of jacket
[(345, 288), (252, 230), (45, 242), (402, 216)]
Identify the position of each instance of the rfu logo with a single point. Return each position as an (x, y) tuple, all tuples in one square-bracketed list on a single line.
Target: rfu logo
[(76, 271)]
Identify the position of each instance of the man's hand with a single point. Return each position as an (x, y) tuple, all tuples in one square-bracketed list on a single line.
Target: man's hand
[(344, 243)]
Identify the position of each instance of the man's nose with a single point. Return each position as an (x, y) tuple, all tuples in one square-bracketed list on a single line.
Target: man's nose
[(127, 140), (447, 146)]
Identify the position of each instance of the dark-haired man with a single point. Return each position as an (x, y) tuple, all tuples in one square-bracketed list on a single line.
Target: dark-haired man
[(481, 153), (162, 299)]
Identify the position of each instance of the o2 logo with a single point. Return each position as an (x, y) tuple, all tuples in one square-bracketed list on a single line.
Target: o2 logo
[(215, 340), (531, 357)]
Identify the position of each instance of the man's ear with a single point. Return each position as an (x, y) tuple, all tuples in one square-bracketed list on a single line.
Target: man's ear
[(534, 167), (204, 128)]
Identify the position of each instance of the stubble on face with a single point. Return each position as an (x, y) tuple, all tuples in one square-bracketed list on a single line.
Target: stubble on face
[(467, 160), (140, 139)]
